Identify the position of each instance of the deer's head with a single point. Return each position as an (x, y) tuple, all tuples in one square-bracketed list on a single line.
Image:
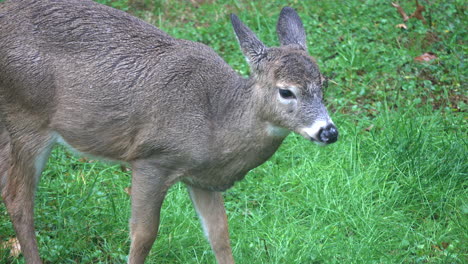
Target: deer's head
[(288, 83)]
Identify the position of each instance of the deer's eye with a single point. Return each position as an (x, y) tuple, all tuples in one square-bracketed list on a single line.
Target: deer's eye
[(286, 94)]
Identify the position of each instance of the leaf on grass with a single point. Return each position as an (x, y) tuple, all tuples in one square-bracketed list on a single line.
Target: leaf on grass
[(128, 190), (436, 247), (401, 11), (124, 168), (418, 13), (445, 245), (403, 26), (86, 160), (428, 56), (14, 246), (369, 128)]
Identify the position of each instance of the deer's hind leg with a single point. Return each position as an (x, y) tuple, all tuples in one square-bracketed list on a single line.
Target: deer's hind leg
[(27, 155), (4, 155)]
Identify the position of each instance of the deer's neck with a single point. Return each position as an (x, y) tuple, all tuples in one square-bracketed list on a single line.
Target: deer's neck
[(240, 139), (236, 103), (241, 115)]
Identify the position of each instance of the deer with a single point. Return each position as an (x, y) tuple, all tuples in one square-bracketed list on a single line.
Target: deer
[(109, 85)]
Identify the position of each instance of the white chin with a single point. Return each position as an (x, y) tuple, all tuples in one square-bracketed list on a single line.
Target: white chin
[(277, 131)]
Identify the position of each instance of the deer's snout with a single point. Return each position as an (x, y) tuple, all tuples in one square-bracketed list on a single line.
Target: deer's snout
[(328, 134), (322, 132)]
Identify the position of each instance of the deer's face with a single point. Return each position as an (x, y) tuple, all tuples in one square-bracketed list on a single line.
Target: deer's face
[(293, 97), (288, 82)]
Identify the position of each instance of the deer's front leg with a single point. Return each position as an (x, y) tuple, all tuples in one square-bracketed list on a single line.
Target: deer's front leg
[(149, 187), (210, 209)]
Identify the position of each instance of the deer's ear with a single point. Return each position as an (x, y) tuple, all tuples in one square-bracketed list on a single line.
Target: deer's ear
[(253, 49), (290, 29)]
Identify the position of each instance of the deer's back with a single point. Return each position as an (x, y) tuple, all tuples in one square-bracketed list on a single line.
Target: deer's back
[(43, 44), (108, 83)]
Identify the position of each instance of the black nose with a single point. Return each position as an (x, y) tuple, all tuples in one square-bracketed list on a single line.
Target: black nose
[(328, 134)]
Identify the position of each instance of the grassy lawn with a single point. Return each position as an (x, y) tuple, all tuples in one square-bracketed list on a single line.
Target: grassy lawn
[(393, 189)]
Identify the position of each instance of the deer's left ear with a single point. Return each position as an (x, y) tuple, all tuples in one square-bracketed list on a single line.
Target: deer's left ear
[(290, 28)]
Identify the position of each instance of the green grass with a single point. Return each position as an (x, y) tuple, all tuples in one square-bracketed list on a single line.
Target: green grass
[(393, 189)]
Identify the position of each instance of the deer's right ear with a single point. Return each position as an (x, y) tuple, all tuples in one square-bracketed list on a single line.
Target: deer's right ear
[(253, 49)]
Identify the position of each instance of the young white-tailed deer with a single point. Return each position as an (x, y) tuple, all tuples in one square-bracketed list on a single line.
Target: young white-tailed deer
[(110, 85)]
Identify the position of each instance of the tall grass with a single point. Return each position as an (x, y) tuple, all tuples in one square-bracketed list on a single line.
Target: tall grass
[(393, 189)]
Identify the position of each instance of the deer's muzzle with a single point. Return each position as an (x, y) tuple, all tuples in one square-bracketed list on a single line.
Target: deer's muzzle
[(322, 132)]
